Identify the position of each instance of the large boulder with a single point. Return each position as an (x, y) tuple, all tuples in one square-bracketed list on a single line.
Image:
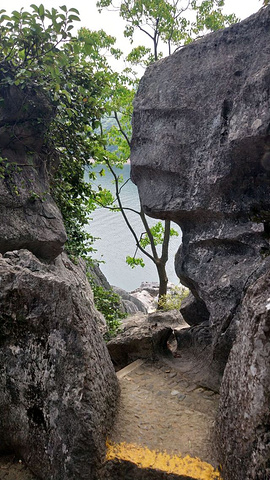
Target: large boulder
[(200, 157), (244, 415), (143, 336), (29, 216), (58, 390)]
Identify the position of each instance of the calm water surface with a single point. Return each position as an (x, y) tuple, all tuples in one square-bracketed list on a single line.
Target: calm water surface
[(116, 241)]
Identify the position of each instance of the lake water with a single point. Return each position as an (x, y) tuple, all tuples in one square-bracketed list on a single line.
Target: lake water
[(116, 241)]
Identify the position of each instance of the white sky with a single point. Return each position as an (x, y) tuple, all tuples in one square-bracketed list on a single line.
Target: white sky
[(111, 22)]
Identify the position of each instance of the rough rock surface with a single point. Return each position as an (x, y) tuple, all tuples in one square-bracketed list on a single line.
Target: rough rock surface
[(194, 310), (244, 414), (200, 156), (58, 386), (29, 216), (130, 303), (143, 336)]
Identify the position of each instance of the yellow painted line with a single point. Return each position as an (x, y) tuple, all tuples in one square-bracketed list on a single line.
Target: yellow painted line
[(145, 458)]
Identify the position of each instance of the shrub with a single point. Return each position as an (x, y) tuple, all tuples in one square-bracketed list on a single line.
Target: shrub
[(173, 299), (108, 303)]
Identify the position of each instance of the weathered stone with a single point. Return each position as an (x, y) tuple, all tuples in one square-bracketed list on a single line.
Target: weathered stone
[(98, 276), (200, 157), (125, 470), (244, 414), (194, 311), (29, 216), (130, 303), (200, 149), (143, 336), (194, 344), (58, 389)]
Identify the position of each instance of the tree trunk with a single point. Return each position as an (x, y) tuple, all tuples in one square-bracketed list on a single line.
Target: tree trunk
[(163, 281)]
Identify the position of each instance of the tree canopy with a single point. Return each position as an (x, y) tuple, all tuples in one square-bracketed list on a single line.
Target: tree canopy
[(169, 21)]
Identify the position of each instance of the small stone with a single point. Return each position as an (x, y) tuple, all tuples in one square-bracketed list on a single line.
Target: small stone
[(209, 393), (181, 397), (172, 375), (191, 388), (175, 392)]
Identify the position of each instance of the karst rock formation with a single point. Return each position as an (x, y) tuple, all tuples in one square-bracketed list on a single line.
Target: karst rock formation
[(201, 157), (58, 388)]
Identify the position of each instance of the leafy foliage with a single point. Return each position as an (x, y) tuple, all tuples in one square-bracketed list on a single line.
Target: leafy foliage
[(167, 21), (109, 304), (173, 300), (38, 49)]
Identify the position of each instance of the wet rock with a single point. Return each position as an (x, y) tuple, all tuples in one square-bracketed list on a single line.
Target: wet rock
[(244, 417), (143, 336), (29, 216), (58, 390), (199, 157)]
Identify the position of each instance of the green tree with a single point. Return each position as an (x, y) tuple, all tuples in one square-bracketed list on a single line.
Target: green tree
[(123, 88), (167, 21)]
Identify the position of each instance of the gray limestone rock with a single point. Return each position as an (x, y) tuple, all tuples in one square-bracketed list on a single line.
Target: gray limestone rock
[(200, 150), (200, 157), (194, 310), (58, 388), (130, 303), (244, 414), (29, 217), (143, 336)]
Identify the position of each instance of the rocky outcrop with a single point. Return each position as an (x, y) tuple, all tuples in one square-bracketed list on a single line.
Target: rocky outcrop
[(29, 216), (200, 148), (58, 386), (130, 304), (200, 157), (143, 336), (244, 415)]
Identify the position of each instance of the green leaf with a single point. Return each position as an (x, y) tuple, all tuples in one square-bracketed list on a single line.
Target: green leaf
[(41, 11), (74, 10), (74, 18), (134, 262)]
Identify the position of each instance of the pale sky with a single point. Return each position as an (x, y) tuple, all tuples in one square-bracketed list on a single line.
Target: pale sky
[(111, 22)]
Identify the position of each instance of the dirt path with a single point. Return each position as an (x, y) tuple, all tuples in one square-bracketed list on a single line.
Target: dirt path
[(163, 410), (160, 408)]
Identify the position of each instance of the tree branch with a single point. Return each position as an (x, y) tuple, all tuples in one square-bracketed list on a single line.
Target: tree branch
[(121, 129), (124, 214)]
